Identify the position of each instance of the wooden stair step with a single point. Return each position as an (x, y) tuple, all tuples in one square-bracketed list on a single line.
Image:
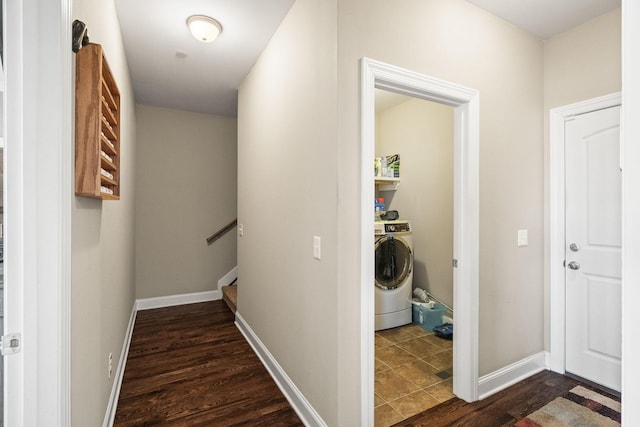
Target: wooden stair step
[(230, 296)]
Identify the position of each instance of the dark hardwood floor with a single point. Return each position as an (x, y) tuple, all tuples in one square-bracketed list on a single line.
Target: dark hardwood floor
[(502, 409), (190, 366)]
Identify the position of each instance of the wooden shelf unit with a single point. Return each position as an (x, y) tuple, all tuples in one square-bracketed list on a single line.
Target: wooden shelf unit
[(97, 126)]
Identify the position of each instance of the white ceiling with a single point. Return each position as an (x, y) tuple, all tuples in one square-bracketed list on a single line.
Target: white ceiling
[(547, 18), (169, 68)]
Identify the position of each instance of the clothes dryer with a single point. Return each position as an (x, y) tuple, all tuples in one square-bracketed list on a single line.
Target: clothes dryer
[(393, 273)]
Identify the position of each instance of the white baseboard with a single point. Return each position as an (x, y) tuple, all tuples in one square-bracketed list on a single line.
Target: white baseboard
[(110, 414), (228, 278), (180, 299), (509, 375), (300, 404)]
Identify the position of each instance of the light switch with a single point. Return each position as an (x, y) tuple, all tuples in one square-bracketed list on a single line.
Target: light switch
[(241, 230), (316, 247), (523, 237)]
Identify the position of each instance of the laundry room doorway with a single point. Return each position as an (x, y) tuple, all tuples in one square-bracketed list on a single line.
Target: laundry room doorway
[(464, 264), (420, 134), (413, 251)]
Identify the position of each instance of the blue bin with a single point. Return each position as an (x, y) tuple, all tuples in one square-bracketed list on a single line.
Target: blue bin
[(428, 318)]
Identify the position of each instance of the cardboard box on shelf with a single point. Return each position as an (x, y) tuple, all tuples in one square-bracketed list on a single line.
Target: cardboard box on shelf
[(393, 163)]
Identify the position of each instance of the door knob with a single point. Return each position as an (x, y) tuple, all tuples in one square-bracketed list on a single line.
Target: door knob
[(574, 247), (573, 265)]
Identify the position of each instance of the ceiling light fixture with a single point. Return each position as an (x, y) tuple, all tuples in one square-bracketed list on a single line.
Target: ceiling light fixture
[(204, 28)]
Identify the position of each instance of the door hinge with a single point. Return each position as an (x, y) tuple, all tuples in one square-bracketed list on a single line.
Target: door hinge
[(455, 263), (10, 344)]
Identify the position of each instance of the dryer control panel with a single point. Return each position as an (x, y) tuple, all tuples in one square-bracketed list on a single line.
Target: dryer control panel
[(383, 227), (396, 228)]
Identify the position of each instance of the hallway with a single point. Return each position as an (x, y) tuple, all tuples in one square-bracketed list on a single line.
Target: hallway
[(189, 365)]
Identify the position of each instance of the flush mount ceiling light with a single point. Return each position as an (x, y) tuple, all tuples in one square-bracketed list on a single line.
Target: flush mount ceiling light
[(204, 28)]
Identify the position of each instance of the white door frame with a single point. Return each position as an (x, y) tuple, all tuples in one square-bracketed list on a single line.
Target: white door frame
[(557, 118), (465, 101), (630, 149), (39, 171)]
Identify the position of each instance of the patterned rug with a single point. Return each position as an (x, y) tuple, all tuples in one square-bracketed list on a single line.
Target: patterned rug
[(579, 407)]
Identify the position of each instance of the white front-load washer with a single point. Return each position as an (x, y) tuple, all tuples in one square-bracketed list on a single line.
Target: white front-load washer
[(393, 273)]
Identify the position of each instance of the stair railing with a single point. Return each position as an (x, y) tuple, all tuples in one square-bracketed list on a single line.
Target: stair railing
[(215, 236)]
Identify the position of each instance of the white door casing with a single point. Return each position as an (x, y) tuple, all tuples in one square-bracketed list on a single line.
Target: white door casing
[(630, 150), (593, 226), (557, 230), (37, 215), (377, 75)]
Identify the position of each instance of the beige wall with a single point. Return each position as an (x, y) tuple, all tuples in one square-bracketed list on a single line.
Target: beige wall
[(186, 190), (580, 64), (103, 248), (290, 148), (451, 40), (460, 43), (287, 194), (422, 133), (584, 62)]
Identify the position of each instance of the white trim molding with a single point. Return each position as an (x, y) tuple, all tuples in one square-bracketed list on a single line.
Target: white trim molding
[(465, 101), (191, 298), (180, 299), (509, 375), (37, 218), (630, 154), (112, 406), (308, 415), (557, 117), (228, 278)]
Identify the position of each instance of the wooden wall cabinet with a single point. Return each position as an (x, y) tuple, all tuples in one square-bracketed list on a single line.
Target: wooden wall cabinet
[(97, 164)]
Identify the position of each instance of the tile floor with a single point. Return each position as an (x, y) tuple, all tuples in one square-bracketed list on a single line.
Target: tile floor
[(414, 372)]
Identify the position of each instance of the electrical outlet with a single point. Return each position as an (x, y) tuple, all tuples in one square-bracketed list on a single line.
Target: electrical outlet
[(110, 364)]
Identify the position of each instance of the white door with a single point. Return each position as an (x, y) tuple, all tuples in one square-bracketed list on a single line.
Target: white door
[(593, 247)]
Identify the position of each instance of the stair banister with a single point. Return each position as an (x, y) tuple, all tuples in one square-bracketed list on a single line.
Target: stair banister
[(215, 236)]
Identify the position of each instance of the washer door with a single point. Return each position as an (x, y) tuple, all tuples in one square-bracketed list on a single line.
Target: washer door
[(394, 262)]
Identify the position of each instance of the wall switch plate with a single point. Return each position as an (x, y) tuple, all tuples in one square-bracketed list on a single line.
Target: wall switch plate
[(241, 230), (523, 237), (317, 247)]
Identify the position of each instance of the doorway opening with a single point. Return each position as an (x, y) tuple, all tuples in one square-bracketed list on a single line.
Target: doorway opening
[(465, 103), (413, 250)]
